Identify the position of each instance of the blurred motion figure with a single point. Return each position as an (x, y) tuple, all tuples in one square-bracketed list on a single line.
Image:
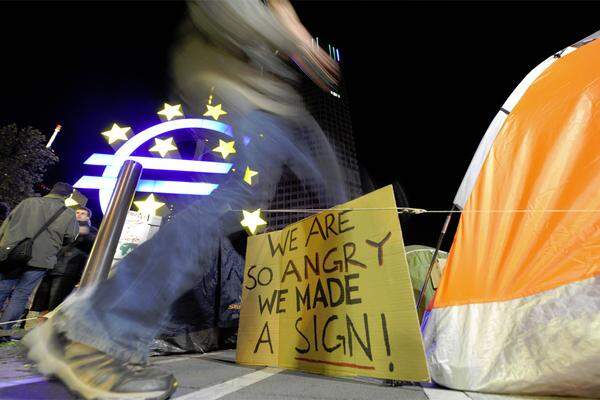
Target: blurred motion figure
[(238, 52)]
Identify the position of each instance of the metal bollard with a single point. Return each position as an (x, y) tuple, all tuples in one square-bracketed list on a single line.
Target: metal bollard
[(433, 260), (103, 251)]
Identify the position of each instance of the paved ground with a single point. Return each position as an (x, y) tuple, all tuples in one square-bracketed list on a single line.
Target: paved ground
[(216, 376)]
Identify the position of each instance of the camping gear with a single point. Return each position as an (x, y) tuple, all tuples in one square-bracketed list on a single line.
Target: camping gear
[(518, 307), (419, 259), (206, 318)]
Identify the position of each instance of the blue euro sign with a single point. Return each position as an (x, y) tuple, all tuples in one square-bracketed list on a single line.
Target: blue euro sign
[(113, 162)]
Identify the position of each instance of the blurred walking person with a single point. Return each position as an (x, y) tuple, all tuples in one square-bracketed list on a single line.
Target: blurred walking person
[(99, 340)]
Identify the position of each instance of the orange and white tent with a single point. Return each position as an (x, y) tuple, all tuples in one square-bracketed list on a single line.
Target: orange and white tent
[(518, 308)]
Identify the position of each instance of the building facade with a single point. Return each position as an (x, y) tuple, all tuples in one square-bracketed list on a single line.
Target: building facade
[(332, 112)]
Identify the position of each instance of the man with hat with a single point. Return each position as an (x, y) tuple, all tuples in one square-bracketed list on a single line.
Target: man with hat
[(28, 220)]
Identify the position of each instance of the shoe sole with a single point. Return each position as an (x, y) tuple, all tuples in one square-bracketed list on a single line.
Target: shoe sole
[(37, 341)]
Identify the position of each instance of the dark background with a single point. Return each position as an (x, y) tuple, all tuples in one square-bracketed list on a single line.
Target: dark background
[(424, 78)]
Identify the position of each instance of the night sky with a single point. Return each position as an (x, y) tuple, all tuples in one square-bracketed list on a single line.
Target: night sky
[(424, 78)]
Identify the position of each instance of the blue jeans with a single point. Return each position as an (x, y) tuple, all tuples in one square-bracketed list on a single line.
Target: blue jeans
[(17, 290), (122, 315)]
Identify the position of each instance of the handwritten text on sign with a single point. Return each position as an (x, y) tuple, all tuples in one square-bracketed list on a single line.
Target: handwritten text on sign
[(332, 294)]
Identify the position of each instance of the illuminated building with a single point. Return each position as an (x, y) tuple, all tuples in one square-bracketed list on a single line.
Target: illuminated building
[(332, 112)]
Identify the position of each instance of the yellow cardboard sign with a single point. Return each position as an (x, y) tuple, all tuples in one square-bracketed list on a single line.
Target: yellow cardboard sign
[(332, 294)]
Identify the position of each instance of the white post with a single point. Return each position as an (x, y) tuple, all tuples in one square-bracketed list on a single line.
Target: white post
[(56, 130)]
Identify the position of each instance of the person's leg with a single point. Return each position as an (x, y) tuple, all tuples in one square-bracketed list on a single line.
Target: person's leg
[(42, 298), (122, 315), (115, 322), (42, 295), (61, 287), (91, 342), (7, 285), (23, 288)]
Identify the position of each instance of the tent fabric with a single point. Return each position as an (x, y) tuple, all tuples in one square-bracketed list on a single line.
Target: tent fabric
[(545, 344), (519, 283), (483, 149), (206, 318), (419, 258), (466, 186)]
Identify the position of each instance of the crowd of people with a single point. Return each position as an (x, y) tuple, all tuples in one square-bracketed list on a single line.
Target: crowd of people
[(61, 240)]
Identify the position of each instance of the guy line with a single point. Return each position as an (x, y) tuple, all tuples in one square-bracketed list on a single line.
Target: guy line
[(409, 210)]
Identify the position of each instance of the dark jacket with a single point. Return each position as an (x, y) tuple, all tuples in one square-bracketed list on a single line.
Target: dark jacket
[(72, 257), (29, 216)]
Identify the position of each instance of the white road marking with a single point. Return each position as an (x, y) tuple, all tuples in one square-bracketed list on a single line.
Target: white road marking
[(488, 396), (233, 385), (443, 394), (25, 381), (184, 358)]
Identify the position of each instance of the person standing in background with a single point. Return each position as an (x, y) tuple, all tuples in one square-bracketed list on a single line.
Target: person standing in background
[(71, 260), (17, 282)]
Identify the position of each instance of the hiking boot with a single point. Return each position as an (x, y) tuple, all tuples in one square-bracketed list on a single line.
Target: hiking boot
[(91, 373)]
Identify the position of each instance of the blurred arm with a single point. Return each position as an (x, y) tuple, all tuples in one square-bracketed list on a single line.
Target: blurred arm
[(310, 58)]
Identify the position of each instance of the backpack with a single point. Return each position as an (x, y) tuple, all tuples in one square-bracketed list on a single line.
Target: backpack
[(20, 253)]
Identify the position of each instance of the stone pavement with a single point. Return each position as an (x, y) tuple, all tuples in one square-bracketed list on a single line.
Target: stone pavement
[(217, 376)]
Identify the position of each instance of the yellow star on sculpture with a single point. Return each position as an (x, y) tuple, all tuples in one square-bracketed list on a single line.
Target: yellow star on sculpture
[(248, 175), (162, 147), (116, 133), (170, 112), (252, 220), (225, 148), (148, 206), (214, 111)]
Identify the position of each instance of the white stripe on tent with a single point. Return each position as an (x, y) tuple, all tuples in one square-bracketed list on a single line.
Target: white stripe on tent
[(468, 182)]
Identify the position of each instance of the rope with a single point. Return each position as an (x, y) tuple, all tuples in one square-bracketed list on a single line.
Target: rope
[(408, 210), (17, 320), (400, 210)]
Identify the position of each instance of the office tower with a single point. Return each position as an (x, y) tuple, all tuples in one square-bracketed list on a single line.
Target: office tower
[(332, 112)]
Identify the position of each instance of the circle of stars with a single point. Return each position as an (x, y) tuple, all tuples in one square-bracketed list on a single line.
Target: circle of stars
[(251, 221)]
